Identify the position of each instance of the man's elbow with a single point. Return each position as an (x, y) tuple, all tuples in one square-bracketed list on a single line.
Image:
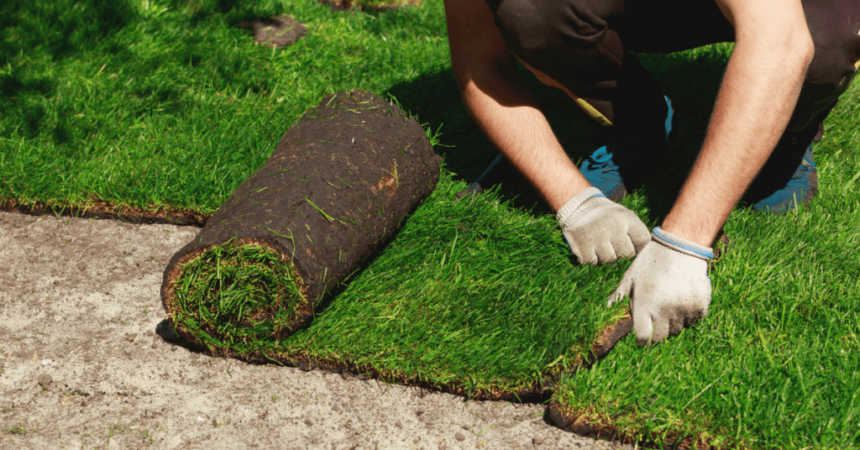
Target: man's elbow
[(794, 50), (798, 43), (788, 42), (804, 46)]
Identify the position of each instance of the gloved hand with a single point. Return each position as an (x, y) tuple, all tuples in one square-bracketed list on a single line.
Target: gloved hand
[(668, 285), (599, 230)]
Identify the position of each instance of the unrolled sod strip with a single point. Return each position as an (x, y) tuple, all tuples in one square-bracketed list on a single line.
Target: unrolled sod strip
[(338, 185)]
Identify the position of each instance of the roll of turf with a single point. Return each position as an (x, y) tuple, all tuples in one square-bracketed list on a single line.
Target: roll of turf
[(337, 186)]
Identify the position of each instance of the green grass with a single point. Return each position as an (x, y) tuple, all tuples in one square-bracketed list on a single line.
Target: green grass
[(168, 104), (775, 363), (238, 296), (467, 296)]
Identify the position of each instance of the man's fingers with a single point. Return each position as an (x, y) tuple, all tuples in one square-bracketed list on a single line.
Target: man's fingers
[(587, 259), (643, 327), (584, 254), (639, 235), (624, 288), (676, 324), (574, 247), (605, 252), (624, 248), (661, 329)]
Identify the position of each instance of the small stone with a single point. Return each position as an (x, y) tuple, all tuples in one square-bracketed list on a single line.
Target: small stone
[(460, 436), (537, 440), (419, 410), (45, 380), (466, 427), (215, 423), (153, 345), (398, 424), (82, 267), (309, 422)]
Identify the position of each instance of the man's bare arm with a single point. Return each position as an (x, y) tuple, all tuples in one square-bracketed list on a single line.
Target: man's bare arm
[(759, 92), (498, 101)]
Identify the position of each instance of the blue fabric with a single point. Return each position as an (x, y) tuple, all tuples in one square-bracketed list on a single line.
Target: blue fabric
[(662, 235), (602, 172), (797, 188)]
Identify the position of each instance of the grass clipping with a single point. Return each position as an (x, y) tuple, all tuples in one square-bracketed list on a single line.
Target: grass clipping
[(237, 296)]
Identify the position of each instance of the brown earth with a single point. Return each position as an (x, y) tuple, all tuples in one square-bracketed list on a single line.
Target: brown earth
[(80, 304)]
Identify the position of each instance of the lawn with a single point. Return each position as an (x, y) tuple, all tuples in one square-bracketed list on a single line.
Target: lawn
[(166, 106)]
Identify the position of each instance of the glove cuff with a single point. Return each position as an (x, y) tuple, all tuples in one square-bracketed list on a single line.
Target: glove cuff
[(567, 212), (682, 245)]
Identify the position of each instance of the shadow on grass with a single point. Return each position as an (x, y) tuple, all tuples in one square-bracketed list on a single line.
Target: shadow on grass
[(690, 79), (60, 28)]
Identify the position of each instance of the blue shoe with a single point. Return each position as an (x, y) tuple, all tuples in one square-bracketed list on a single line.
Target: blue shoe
[(802, 186), (601, 171)]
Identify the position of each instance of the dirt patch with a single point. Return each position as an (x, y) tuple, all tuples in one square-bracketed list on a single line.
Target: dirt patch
[(278, 31), (341, 5), (81, 304)]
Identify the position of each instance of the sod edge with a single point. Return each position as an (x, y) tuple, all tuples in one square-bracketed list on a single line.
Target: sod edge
[(106, 210), (264, 350)]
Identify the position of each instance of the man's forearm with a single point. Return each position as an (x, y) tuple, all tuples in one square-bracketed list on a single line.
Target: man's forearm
[(756, 100), (508, 114)]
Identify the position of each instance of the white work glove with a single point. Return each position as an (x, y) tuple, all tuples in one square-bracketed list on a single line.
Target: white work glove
[(668, 286), (599, 230)]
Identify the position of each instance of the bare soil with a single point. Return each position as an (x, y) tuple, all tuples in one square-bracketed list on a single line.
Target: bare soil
[(81, 313)]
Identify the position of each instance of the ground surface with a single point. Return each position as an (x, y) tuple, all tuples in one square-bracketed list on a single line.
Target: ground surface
[(80, 304)]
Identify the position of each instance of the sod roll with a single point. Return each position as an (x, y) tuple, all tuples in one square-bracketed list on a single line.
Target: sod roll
[(337, 186)]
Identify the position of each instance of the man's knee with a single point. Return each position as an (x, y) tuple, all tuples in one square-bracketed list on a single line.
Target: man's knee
[(837, 51)]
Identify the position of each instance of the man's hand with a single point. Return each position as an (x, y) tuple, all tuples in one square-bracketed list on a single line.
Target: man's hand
[(668, 286), (599, 230)]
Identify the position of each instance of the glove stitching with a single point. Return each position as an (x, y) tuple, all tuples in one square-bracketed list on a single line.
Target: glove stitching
[(575, 204)]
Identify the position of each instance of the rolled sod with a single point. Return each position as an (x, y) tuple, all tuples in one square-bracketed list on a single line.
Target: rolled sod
[(337, 186)]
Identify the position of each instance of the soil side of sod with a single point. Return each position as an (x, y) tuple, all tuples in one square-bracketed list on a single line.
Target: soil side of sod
[(100, 209), (338, 185)]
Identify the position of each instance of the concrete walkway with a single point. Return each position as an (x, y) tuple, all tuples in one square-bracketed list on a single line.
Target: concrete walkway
[(80, 312)]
